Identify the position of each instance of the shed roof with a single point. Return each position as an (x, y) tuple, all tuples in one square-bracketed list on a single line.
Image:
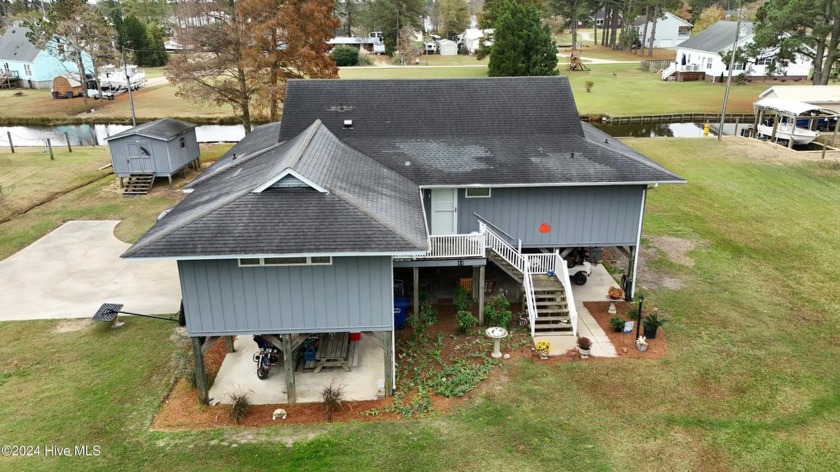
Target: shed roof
[(366, 208), (718, 37), (15, 46), (642, 19), (165, 129)]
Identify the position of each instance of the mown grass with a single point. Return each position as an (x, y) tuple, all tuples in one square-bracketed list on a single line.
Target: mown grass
[(34, 179), (750, 382)]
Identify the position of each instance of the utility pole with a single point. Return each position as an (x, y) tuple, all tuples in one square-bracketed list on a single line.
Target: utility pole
[(729, 75), (127, 78)]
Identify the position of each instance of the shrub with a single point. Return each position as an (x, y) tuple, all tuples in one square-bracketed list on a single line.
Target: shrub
[(332, 395), (345, 56), (240, 406), (462, 299), (617, 322), (584, 343), (466, 320), (497, 312), (653, 321)]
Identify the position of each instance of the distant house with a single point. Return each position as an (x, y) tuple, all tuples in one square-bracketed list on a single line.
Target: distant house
[(699, 58), (671, 31), (601, 20), (156, 149), (301, 227), (473, 38), (66, 87), (35, 67), (823, 96)]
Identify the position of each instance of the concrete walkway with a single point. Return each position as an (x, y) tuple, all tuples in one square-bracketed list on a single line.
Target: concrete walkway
[(73, 270), (595, 290)]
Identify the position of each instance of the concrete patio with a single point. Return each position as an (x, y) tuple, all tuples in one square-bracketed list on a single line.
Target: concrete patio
[(238, 374)]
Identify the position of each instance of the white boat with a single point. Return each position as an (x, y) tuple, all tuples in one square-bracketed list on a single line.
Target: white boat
[(114, 77), (801, 136)]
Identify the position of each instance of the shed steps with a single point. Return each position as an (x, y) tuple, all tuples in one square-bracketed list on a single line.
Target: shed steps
[(138, 184)]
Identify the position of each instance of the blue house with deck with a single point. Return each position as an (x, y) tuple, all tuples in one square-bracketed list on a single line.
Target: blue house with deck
[(299, 228), (34, 67)]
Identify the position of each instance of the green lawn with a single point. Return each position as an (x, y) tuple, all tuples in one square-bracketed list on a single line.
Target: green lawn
[(28, 178), (750, 382)]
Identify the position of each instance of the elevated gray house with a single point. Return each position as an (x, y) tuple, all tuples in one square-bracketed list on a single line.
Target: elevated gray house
[(160, 148), (300, 226)]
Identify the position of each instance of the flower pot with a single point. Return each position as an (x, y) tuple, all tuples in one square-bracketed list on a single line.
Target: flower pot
[(641, 347), (543, 356), (650, 333), (584, 353)]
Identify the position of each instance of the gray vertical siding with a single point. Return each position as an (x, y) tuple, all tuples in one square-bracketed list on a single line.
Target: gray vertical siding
[(578, 216), (168, 156), (353, 294)]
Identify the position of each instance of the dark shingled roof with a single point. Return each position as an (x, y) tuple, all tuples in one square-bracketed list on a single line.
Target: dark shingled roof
[(367, 208), (166, 129), (717, 37), (432, 109), (15, 46), (501, 131), (260, 138)]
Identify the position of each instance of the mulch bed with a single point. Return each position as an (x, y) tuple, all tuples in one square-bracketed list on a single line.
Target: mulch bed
[(182, 411), (625, 344)]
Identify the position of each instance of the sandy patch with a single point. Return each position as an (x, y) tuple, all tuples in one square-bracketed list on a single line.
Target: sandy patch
[(71, 326)]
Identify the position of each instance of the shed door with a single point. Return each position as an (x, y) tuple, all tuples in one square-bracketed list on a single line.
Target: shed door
[(140, 158), (444, 207)]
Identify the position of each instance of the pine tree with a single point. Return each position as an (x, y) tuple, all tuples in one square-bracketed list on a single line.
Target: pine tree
[(522, 46)]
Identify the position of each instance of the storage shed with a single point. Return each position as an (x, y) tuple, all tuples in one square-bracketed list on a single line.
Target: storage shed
[(156, 149), (448, 48), (66, 87)]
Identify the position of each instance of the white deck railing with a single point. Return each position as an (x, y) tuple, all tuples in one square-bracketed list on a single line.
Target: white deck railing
[(563, 276), (455, 246), (530, 301), (540, 263), (503, 249)]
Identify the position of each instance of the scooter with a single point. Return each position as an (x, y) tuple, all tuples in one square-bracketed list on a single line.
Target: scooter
[(267, 356)]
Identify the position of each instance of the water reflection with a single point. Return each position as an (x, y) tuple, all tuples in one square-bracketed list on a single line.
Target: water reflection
[(86, 135)]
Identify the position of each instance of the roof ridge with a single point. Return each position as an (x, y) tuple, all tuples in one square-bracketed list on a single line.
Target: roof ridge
[(304, 143), (232, 163), (344, 197)]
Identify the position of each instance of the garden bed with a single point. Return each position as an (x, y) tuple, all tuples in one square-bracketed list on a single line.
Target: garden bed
[(625, 343)]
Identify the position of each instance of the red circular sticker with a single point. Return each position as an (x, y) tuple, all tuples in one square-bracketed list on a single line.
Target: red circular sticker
[(545, 228)]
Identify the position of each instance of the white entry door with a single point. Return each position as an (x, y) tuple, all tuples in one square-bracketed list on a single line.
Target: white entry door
[(444, 209)]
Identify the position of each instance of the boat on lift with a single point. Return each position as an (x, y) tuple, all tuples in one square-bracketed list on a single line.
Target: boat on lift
[(801, 136), (119, 77)]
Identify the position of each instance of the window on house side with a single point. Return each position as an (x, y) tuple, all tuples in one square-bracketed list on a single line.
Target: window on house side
[(183, 143), (481, 192), (285, 261)]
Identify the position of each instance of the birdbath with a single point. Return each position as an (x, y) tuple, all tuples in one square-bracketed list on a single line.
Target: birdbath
[(496, 334), (612, 309)]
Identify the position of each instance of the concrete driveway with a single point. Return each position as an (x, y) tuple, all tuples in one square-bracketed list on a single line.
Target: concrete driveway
[(73, 270)]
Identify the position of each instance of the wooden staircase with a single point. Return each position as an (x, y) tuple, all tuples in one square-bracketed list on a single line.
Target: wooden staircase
[(552, 307), (553, 316), (138, 184)]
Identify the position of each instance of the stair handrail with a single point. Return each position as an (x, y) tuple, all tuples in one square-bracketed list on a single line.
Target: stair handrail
[(530, 301), (670, 70), (503, 249), (567, 287)]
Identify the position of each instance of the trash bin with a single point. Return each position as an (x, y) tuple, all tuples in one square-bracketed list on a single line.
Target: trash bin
[(54, 94), (69, 94), (400, 309)]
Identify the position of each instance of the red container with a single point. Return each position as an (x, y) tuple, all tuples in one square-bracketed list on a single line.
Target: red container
[(355, 336)]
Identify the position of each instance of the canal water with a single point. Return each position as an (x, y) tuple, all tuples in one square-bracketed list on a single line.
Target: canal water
[(83, 135)]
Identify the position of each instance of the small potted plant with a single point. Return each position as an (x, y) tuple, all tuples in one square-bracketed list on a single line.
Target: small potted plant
[(617, 323), (584, 347), (651, 323), (615, 293), (543, 348), (641, 344)]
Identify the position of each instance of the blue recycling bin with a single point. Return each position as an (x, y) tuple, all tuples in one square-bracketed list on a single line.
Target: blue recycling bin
[(400, 310)]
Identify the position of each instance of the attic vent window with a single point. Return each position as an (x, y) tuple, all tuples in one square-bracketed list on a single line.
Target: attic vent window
[(480, 192), (348, 124)]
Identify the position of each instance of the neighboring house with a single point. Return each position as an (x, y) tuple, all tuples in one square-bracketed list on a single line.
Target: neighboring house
[(601, 20), (671, 31), (300, 227), (35, 67), (823, 96), (158, 148), (472, 38), (699, 58), (372, 43)]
